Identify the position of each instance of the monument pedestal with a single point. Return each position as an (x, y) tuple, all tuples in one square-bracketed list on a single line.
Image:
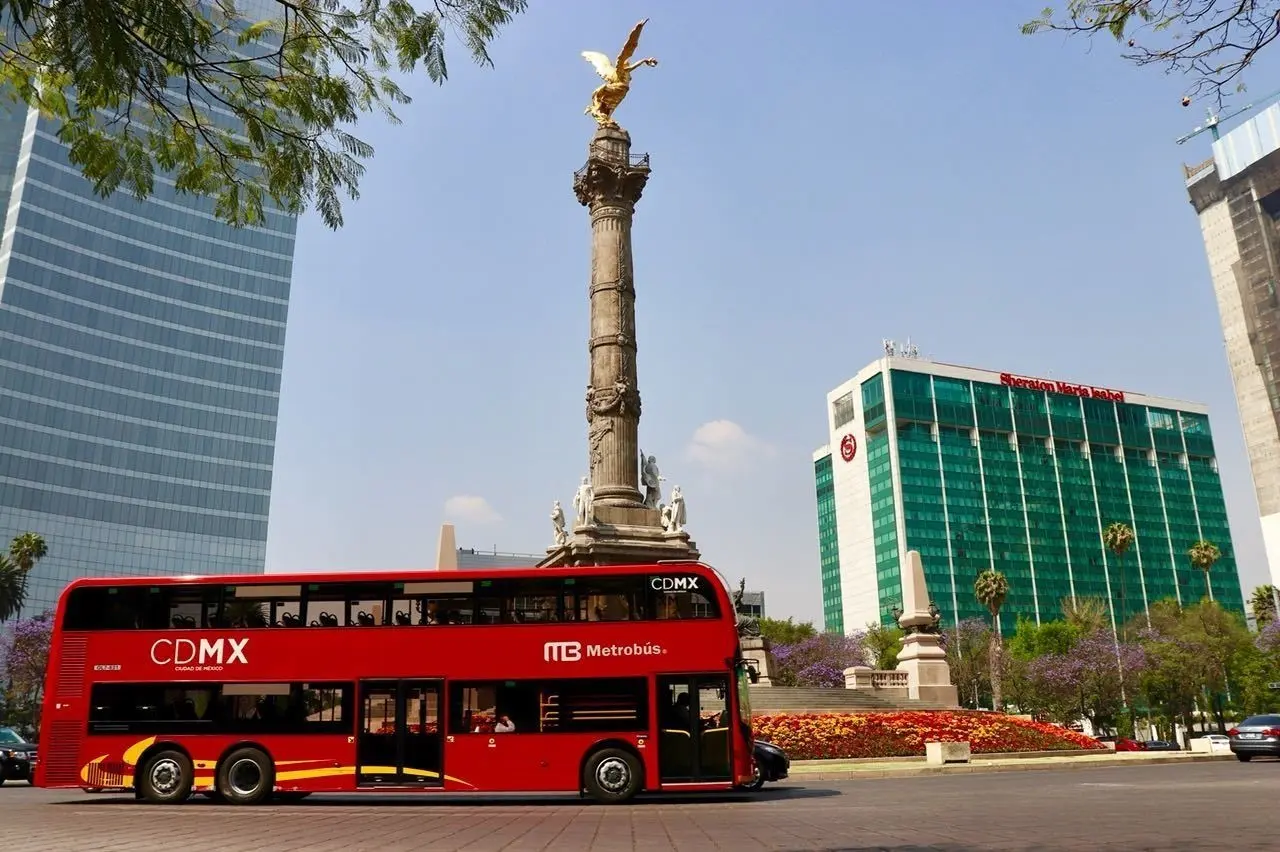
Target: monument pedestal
[(622, 535), (755, 649), (928, 675)]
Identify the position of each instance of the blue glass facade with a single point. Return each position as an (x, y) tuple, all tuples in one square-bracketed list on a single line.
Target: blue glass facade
[(141, 346)]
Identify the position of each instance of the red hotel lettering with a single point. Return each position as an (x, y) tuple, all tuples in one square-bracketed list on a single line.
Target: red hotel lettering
[(1087, 391)]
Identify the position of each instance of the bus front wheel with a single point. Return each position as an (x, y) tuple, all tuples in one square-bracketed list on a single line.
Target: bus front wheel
[(612, 776), (245, 777), (166, 779)]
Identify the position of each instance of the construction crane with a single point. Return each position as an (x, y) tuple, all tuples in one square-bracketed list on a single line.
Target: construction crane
[(1212, 119)]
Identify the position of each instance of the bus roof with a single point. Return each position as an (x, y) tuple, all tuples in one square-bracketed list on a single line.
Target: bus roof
[(408, 574)]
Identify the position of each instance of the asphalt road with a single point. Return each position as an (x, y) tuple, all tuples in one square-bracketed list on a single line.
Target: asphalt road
[(1168, 807)]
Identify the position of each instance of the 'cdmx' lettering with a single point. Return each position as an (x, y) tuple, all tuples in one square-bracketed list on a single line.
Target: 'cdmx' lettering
[(183, 652), (674, 584)]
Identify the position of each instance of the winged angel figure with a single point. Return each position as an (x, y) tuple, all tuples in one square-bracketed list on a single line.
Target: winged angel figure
[(617, 77)]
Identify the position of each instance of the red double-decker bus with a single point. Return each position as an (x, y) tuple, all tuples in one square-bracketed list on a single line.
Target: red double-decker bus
[(602, 681)]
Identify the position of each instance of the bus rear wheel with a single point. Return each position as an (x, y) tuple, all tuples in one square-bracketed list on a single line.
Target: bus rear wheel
[(166, 778), (245, 777), (612, 776)]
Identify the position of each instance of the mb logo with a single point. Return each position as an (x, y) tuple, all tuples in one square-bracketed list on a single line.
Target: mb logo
[(562, 652)]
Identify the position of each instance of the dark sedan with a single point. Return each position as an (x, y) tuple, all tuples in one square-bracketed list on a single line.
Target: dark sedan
[(1257, 735), (17, 756), (771, 764)]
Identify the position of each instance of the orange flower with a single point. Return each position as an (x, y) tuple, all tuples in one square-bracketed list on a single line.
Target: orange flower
[(903, 733)]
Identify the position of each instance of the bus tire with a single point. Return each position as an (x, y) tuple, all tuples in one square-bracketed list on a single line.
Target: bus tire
[(245, 777), (166, 778), (756, 782), (612, 776)]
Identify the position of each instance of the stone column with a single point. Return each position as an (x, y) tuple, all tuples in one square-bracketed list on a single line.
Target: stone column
[(609, 185)]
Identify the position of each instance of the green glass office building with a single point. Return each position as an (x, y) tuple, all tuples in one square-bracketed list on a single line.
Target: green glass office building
[(974, 469)]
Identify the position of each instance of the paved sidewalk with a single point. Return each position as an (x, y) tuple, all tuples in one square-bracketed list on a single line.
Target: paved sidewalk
[(832, 770), (1208, 806)]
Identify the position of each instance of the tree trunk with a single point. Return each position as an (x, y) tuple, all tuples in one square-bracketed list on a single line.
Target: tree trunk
[(1207, 587), (997, 696)]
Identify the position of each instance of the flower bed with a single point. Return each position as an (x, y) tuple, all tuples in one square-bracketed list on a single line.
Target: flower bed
[(854, 735)]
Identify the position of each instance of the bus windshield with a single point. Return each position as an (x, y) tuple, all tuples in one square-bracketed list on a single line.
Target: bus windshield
[(744, 693)]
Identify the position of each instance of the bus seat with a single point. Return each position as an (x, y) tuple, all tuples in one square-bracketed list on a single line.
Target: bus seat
[(715, 751), (676, 753)]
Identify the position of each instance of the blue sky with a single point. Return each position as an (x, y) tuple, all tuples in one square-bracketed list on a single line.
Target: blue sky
[(822, 178)]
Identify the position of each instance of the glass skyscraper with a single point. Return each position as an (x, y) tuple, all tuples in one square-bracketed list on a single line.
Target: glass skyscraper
[(977, 469), (141, 346)]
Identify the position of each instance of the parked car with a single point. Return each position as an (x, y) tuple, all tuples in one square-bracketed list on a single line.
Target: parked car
[(1257, 735), (771, 764), (1126, 744), (1162, 745), (17, 756)]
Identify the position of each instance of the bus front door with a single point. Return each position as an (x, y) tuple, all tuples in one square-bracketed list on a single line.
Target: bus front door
[(400, 737), (694, 729)]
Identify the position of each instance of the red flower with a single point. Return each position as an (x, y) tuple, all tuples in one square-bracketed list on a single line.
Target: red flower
[(904, 733)]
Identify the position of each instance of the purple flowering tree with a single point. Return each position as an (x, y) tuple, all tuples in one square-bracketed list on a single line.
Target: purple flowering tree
[(818, 661), (25, 658), (1268, 640), (968, 647), (1091, 679)]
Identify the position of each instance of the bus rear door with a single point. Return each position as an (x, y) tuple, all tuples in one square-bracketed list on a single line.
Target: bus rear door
[(400, 734)]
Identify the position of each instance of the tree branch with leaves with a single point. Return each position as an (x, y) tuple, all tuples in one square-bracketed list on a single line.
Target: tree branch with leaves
[(1211, 42), (248, 110)]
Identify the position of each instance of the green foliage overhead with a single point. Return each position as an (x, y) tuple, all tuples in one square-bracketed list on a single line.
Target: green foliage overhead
[(234, 107)]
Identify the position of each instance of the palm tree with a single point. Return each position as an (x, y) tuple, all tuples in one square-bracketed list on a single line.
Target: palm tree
[(27, 549), (13, 588), (1263, 604), (1088, 615), (1203, 555), (991, 588), (24, 552), (1118, 538)]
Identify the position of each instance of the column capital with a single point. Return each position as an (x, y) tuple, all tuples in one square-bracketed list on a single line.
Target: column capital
[(609, 182)]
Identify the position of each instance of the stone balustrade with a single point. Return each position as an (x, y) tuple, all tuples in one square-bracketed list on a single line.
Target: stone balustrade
[(894, 683)]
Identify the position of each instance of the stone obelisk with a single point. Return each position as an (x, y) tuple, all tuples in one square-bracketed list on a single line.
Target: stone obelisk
[(619, 526)]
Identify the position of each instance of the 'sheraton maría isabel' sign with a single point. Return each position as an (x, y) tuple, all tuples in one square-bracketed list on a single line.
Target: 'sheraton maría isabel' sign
[(1061, 387)]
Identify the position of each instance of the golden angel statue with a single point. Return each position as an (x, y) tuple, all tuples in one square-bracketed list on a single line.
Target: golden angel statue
[(617, 77)]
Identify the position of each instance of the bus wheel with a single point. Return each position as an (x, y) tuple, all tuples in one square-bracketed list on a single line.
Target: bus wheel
[(245, 777), (756, 782), (612, 776), (166, 780)]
